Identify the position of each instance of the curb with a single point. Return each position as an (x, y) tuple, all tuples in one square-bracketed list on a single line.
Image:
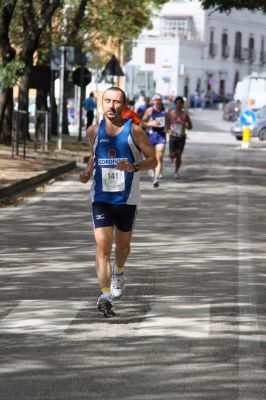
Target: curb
[(34, 181)]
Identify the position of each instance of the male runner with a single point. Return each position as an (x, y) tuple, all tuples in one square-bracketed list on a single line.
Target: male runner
[(116, 159), (155, 117), (178, 122)]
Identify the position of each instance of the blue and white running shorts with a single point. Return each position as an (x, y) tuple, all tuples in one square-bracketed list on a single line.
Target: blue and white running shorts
[(157, 138), (120, 215)]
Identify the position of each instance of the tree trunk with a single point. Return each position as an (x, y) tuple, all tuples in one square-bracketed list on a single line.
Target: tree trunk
[(7, 53), (6, 115), (23, 101), (40, 116)]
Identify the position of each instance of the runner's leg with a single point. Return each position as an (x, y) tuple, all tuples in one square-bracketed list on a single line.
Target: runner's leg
[(122, 250), (159, 151), (104, 240)]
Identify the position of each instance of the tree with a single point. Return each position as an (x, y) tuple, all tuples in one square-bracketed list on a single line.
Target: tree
[(22, 23), (8, 71), (102, 27), (114, 22), (34, 21), (227, 5), (73, 14)]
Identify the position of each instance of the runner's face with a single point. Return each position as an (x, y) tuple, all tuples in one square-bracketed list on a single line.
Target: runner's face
[(157, 103), (179, 105), (113, 104)]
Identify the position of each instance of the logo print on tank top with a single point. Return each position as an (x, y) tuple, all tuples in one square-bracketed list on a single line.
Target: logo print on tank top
[(111, 153)]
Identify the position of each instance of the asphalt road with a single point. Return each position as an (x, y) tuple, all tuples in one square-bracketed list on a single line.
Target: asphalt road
[(192, 322)]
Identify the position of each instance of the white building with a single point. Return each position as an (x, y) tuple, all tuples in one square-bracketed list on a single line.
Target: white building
[(191, 50)]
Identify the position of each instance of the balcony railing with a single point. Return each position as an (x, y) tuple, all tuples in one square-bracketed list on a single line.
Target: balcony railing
[(251, 55), (244, 54), (213, 49), (225, 51), (262, 57), (241, 54)]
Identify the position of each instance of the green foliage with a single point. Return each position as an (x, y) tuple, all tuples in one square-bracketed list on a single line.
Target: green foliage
[(120, 19), (228, 5), (10, 72)]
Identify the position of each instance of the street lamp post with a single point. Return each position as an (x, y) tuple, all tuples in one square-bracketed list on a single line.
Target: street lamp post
[(61, 96)]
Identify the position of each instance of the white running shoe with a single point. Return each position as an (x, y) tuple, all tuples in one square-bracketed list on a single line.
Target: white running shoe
[(151, 173), (104, 305), (117, 285), (155, 183), (176, 175)]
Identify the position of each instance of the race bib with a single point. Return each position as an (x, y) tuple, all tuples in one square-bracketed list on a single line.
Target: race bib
[(113, 180), (161, 121), (177, 129)]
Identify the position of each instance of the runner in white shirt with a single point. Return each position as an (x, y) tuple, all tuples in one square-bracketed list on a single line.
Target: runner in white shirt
[(178, 122)]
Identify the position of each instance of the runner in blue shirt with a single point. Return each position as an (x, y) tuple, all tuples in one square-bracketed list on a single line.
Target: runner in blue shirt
[(116, 159), (156, 119)]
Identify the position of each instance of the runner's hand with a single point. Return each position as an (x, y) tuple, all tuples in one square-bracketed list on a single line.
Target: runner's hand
[(124, 165), (84, 176), (154, 124), (170, 132)]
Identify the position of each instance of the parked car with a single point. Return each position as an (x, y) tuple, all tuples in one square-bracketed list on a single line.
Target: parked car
[(231, 110), (258, 129)]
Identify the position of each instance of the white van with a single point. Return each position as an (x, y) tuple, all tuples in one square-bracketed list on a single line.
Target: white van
[(251, 91)]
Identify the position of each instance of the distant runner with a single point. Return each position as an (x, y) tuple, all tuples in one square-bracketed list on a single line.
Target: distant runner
[(178, 122)]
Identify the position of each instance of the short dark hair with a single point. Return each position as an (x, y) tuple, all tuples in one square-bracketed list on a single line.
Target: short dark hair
[(179, 98), (117, 89)]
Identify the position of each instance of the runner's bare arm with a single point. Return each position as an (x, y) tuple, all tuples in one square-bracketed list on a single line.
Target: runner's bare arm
[(146, 123), (140, 139), (169, 117), (188, 123), (86, 174)]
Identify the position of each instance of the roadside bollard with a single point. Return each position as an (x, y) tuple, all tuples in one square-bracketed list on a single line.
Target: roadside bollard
[(245, 138)]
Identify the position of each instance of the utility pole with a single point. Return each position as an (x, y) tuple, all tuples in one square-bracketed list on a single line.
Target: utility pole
[(81, 98), (61, 95)]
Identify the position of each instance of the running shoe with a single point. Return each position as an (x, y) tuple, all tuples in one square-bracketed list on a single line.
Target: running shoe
[(151, 173), (176, 175), (104, 305), (155, 183), (117, 285)]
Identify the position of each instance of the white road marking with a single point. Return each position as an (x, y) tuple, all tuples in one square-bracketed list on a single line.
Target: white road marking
[(170, 316), (45, 317), (251, 360)]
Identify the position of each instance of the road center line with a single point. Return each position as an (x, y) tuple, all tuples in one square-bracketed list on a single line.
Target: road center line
[(43, 317)]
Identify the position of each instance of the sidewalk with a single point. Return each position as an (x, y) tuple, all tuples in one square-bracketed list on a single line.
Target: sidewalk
[(19, 175)]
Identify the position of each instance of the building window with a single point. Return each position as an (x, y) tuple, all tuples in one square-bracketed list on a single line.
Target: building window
[(238, 44), (225, 47), (251, 50), (222, 87), (262, 51), (237, 75), (149, 55), (212, 45), (174, 27)]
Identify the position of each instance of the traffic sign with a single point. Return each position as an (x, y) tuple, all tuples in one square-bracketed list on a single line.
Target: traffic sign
[(248, 118), (56, 58), (113, 68), (77, 76)]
